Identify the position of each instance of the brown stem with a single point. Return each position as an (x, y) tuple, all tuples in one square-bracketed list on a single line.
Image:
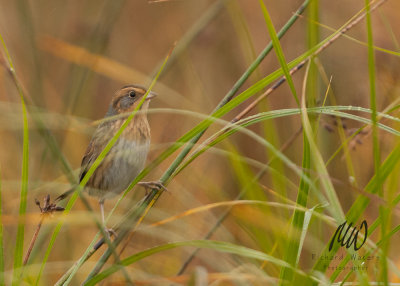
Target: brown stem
[(34, 237)]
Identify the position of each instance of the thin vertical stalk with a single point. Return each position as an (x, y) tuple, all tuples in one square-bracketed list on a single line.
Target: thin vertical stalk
[(2, 278), (383, 212), (19, 241), (292, 252)]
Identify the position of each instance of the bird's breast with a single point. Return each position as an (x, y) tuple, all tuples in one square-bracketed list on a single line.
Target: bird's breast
[(130, 151), (125, 160)]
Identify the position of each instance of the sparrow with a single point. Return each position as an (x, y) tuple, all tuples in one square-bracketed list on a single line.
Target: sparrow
[(127, 157)]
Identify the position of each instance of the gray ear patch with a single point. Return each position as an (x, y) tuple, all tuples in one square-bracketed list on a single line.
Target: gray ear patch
[(126, 102)]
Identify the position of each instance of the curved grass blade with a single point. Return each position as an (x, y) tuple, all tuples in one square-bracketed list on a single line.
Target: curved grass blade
[(221, 246), (208, 207), (239, 126)]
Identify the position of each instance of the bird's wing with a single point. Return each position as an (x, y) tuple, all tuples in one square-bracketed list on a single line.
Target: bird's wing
[(96, 145), (92, 152)]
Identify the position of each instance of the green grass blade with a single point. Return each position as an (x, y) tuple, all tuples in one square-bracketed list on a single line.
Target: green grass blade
[(383, 275), (19, 241), (239, 126), (335, 206), (312, 41), (307, 218), (297, 223), (281, 58), (278, 50), (293, 244), (371, 72)]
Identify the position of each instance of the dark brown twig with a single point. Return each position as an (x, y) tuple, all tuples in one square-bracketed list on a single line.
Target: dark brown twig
[(48, 208), (34, 237)]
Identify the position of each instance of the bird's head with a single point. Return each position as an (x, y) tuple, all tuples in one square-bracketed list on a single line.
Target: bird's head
[(127, 98)]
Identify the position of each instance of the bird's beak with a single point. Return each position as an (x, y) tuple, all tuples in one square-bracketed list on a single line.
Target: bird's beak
[(151, 95)]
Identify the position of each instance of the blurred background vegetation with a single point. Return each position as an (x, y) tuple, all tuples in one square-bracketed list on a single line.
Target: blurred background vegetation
[(71, 56)]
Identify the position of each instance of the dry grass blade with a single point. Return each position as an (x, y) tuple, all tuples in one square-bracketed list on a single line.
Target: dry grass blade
[(102, 65)]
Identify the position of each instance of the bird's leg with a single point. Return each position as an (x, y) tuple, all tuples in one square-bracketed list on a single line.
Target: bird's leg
[(152, 185), (101, 202), (110, 231)]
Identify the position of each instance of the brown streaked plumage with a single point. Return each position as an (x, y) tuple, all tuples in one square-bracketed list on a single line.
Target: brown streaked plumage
[(127, 157)]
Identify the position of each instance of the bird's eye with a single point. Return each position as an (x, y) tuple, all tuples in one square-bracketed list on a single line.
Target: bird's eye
[(132, 93)]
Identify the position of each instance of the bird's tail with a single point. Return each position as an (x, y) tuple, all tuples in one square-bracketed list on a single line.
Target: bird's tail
[(65, 195)]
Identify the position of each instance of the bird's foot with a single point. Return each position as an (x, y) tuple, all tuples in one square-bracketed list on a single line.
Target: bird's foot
[(153, 185), (110, 232)]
